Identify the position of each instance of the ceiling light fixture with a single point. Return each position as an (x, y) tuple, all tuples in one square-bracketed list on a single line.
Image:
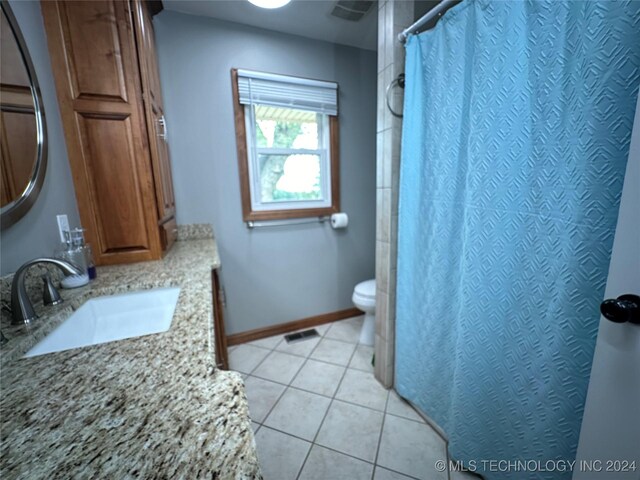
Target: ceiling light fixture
[(269, 3)]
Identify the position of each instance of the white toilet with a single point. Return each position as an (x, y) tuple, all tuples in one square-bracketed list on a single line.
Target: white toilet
[(364, 298)]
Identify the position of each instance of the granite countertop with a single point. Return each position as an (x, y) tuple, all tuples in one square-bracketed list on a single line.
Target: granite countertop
[(146, 407)]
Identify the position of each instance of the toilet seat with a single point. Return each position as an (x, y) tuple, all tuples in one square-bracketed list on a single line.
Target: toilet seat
[(366, 288), (365, 294), (364, 298)]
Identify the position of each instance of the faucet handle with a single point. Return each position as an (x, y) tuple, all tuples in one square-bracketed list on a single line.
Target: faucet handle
[(50, 295)]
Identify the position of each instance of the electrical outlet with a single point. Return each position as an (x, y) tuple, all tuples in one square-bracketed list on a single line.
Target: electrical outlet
[(63, 226)]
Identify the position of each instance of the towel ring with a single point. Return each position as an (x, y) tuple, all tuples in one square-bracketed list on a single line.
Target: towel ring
[(400, 83)]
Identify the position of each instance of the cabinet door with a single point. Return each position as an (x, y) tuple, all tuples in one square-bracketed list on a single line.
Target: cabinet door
[(156, 122), (94, 60)]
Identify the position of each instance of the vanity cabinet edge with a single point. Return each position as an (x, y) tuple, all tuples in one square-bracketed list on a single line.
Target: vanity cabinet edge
[(219, 334)]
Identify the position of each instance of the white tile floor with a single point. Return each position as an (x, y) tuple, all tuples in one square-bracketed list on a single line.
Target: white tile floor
[(319, 413)]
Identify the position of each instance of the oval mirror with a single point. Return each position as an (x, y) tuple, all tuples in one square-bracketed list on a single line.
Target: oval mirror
[(23, 154)]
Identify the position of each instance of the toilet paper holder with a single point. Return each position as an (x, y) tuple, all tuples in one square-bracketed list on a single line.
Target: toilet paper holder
[(339, 220)]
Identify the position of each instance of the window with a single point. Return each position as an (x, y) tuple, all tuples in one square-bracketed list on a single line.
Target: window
[(287, 141)]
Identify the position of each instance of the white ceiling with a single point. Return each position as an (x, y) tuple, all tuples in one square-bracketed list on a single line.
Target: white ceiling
[(307, 18)]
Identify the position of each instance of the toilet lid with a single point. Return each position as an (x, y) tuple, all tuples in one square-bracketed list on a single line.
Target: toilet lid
[(366, 288)]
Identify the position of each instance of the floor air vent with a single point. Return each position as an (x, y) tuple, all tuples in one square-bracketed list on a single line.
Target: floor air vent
[(352, 10), (300, 336)]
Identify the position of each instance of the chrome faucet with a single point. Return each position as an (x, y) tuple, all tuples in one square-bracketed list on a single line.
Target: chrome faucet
[(21, 307)]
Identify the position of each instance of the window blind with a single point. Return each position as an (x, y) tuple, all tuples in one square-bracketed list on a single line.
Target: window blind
[(284, 91)]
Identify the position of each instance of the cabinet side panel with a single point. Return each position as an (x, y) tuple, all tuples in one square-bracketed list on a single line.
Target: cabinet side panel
[(156, 122)]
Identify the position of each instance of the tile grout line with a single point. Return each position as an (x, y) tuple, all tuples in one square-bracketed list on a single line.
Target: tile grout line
[(274, 403), (275, 349), (384, 418), (272, 350), (280, 398), (346, 367), (297, 372), (313, 442), (286, 387), (341, 341), (290, 385), (349, 402), (396, 471), (315, 437), (333, 399), (283, 391), (374, 464), (338, 451), (322, 335)]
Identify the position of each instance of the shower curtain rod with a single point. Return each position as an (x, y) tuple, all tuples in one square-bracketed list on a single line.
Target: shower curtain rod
[(436, 11)]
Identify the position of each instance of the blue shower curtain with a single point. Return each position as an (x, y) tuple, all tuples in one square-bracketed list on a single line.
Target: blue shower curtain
[(517, 120)]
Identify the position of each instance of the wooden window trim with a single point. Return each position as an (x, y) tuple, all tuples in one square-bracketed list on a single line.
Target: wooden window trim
[(248, 214)]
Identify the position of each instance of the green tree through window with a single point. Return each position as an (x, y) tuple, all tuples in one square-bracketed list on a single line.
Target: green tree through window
[(272, 169), (275, 129)]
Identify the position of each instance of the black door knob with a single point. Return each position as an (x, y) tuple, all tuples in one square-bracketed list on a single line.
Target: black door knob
[(625, 308)]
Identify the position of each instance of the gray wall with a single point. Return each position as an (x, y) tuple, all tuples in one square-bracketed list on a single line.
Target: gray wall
[(279, 274), (37, 232)]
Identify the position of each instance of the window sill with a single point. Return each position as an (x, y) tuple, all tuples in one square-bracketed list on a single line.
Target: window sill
[(290, 213)]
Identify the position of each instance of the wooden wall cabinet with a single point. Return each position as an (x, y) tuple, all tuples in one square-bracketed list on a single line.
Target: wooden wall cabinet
[(105, 68)]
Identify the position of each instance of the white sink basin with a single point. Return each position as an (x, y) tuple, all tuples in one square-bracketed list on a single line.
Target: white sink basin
[(110, 318)]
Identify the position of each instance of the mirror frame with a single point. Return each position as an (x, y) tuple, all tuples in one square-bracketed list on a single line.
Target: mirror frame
[(15, 210)]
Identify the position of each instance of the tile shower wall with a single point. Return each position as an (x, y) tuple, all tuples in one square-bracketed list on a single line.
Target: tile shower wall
[(393, 17)]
